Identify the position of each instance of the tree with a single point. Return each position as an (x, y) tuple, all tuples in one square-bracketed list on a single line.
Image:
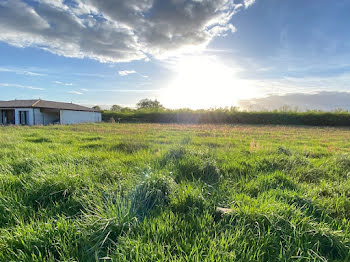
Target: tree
[(97, 108), (149, 104), (116, 108)]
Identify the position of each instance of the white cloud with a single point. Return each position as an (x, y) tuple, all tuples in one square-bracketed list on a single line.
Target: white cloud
[(75, 92), (125, 90), (115, 30), (133, 90), (324, 100), (32, 73), (62, 83), (126, 72), (248, 3), (20, 86), (20, 71), (92, 75), (232, 28)]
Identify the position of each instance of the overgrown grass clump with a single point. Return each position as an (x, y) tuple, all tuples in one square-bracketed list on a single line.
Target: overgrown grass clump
[(192, 165), (148, 192), (153, 192)]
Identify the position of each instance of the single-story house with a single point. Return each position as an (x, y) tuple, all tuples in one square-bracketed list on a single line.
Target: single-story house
[(41, 112)]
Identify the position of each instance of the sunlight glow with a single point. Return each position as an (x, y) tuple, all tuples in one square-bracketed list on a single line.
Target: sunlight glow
[(204, 82)]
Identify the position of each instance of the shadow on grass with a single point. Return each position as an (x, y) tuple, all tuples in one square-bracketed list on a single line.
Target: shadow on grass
[(40, 140), (129, 147)]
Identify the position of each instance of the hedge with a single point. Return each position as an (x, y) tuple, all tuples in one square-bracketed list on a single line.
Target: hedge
[(229, 117)]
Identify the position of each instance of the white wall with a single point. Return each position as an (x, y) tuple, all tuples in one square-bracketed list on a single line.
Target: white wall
[(75, 117), (30, 115), (38, 117)]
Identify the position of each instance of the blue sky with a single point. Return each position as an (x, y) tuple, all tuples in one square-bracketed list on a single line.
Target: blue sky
[(186, 53)]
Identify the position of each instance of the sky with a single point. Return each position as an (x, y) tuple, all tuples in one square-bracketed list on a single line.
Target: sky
[(185, 53)]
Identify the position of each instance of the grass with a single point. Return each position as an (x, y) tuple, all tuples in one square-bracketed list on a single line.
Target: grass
[(149, 192)]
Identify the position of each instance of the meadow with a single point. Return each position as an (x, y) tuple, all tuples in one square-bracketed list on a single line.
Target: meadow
[(150, 192)]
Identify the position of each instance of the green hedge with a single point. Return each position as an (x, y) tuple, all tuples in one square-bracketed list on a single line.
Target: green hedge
[(229, 117)]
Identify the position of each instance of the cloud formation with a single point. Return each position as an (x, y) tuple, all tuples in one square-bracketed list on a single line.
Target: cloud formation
[(126, 72), (75, 92), (115, 30), (20, 86), (324, 100), (63, 83), (20, 71)]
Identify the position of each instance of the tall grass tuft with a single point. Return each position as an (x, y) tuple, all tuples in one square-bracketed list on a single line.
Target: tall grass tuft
[(104, 222), (192, 165), (154, 192)]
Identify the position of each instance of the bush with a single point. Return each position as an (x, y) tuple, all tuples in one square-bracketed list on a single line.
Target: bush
[(221, 116)]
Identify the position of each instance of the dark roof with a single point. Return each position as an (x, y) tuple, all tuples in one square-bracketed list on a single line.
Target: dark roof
[(44, 104)]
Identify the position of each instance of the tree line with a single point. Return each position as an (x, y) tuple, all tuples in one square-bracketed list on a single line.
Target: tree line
[(143, 104), (152, 111)]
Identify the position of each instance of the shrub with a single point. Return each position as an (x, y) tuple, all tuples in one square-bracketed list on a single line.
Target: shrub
[(221, 116)]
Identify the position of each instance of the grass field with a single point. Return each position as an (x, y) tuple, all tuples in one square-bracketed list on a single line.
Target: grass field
[(149, 192)]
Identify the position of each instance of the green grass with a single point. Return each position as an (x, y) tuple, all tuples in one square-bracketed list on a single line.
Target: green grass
[(149, 192)]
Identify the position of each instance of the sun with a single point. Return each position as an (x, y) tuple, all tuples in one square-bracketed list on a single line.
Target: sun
[(203, 82)]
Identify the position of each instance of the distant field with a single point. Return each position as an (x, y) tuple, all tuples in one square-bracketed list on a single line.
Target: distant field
[(149, 192)]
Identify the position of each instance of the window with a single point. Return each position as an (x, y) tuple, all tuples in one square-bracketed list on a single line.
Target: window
[(23, 117)]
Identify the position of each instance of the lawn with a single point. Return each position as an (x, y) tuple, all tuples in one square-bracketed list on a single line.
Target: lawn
[(149, 192)]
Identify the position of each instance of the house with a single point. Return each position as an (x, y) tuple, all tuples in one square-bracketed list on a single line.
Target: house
[(41, 112)]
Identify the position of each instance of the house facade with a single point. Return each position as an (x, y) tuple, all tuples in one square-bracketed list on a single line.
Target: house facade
[(41, 112)]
